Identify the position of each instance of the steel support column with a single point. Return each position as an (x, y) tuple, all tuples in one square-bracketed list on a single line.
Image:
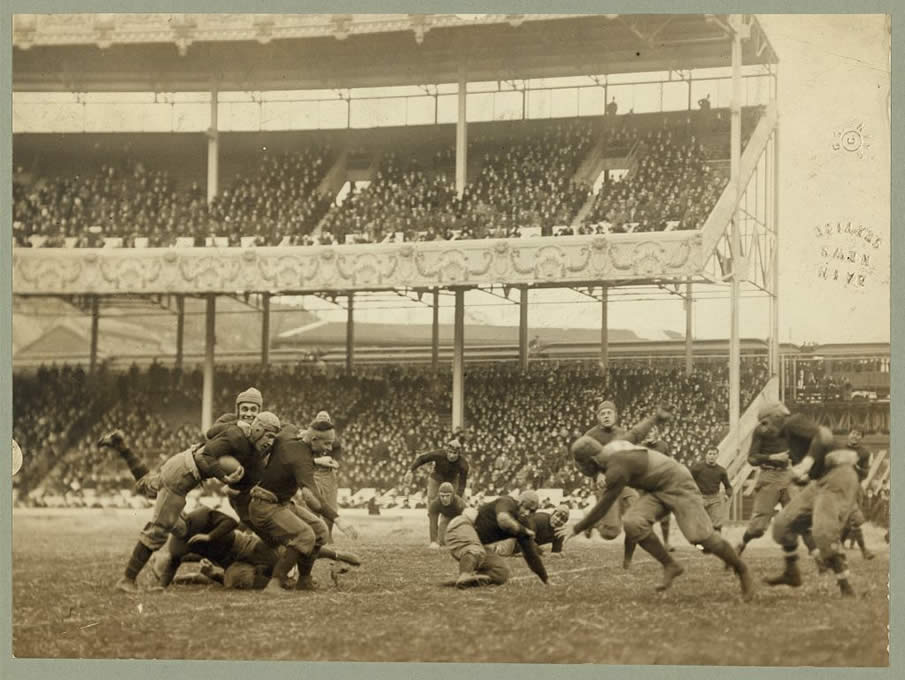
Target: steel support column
[(207, 395)]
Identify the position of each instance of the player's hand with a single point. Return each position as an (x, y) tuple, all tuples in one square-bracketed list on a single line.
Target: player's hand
[(601, 481), (231, 491), (562, 532), (199, 538), (145, 486), (235, 476), (346, 528), (799, 475), (529, 533), (780, 457)]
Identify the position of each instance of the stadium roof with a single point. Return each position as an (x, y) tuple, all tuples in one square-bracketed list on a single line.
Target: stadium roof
[(188, 52)]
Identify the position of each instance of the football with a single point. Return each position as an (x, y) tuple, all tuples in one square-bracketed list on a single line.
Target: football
[(229, 464), (17, 458)]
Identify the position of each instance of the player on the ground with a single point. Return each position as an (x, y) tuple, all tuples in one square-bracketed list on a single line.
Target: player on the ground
[(774, 451), (214, 536), (605, 431), (823, 507), (278, 519), (852, 529), (498, 520), (668, 487), (449, 466), (709, 475), (186, 470), (549, 529), (444, 509)]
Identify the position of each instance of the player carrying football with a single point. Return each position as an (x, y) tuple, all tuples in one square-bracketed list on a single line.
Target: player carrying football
[(186, 470)]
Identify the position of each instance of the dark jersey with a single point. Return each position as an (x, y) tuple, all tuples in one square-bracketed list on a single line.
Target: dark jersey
[(709, 477), (454, 509), (231, 441), (489, 531), (544, 532), (290, 468), (219, 527), (456, 473), (795, 436), (864, 461)]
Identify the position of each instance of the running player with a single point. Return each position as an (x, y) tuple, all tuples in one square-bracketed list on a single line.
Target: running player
[(449, 466), (823, 507), (607, 430), (668, 487), (278, 519), (852, 529)]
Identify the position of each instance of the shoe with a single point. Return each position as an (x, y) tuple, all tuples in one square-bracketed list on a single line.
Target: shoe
[(126, 585), (434, 546), (670, 572), (115, 440), (846, 589), (867, 554), (626, 564), (790, 577), (822, 566), (306, 583), (747, 584), (348, 558), (273, 587)]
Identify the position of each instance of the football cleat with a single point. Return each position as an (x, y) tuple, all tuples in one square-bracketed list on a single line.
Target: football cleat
[(126, 585), (670, 572)]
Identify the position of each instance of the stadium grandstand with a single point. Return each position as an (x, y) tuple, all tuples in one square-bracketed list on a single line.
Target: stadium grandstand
[(462, 154)]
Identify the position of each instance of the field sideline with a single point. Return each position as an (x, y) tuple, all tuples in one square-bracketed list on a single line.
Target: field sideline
[(394, 609)]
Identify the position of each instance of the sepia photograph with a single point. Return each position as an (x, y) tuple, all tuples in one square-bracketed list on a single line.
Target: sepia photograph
[(469, 338)]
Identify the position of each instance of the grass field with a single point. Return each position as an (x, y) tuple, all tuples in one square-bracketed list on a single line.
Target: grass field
[(393, 608)]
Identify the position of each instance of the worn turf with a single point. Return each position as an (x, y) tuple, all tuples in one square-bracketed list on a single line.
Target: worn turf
[(395, 608)]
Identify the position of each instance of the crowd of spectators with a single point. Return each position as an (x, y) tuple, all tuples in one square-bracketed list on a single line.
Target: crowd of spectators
[(525, 183), (520, 425)]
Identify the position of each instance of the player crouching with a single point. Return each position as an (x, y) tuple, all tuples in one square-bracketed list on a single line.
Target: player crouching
[(468, 535), (667, 486)]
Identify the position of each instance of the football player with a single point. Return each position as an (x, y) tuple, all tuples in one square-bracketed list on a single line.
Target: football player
[(668, 487), (445, 508), (549, 529)]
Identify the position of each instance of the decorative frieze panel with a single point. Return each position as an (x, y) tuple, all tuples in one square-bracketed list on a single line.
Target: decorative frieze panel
[(566, 260)]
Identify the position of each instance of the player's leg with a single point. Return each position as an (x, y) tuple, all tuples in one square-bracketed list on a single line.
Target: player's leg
[(638, 523), (282, 526), (664, 529), (442, 524), (495, 568), (325, 481), (767, 493), (836, 496), (854, 525), (792, 521), (321, 536), (504, 548), (628, 498), (465, 547), (167, 508), (694, 522)]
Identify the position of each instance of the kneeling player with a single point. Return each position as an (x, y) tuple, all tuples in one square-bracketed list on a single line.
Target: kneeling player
[(495, 521), (549, 529), (446, 507), (668, 487)]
